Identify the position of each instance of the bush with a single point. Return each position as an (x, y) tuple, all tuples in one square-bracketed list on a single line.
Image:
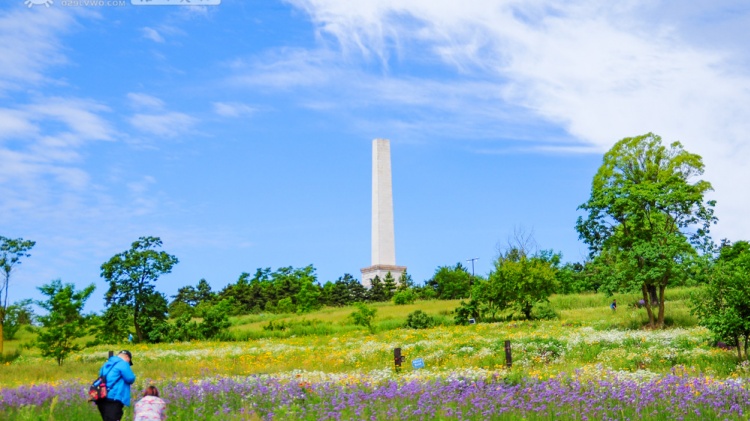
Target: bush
[(404, 297), (286, 305), (178, 308), (16, 315), (363, 316), (467, 311), (427, 293), (10, 357), (544, 311), (216, 320), (270, 327), (419, 320), (183, 330)]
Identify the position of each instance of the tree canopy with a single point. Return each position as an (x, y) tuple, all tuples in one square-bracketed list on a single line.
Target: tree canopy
[(646, 215), (63, 324), (11, 253), (723, 305), (131, 276)]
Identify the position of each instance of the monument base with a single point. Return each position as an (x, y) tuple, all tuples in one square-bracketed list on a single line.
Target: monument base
[(369, 273)]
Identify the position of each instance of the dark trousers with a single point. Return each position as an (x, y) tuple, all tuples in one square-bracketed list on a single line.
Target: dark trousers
[(111, 410)]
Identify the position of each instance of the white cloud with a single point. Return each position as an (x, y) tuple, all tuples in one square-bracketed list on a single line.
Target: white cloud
[(152, 34), (599, 71), (233, 109), (40, 168), (29, 43), (15, 123), (140, 100), (471, 107), (170, 124), (287, 69)]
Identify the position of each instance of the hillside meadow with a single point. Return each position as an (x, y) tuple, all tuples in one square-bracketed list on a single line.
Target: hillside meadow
[(320, 366)]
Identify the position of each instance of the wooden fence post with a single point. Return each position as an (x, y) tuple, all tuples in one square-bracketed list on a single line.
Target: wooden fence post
[(397, 359), (508, 356)]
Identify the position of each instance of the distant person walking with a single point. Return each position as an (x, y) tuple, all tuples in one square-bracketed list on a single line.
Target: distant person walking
[(150, 407), (119, 377), (613, 306)]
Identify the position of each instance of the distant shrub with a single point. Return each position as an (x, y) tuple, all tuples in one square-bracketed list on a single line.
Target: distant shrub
[(544, 311), (466, 312), (286, 305), (216, 320), (419, 320), (404, 297), (363, 316), (427, 293), (10, 357), (179, 308), (278, 326)]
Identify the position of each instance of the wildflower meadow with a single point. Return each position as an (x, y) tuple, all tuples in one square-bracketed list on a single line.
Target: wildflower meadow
[(589, 364)]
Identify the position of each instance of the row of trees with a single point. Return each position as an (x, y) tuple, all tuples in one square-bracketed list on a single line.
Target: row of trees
[(647, 227), (131, 300), (647, 223)]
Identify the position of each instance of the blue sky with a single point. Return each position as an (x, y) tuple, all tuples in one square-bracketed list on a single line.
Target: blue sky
[(241, 133)]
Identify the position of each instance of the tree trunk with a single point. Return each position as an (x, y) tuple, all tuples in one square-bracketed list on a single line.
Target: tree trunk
[(660, 322), (138, 332), (739, 350), (648, 306), (745, 346), (2, 317), (652, 295), (526, 310)]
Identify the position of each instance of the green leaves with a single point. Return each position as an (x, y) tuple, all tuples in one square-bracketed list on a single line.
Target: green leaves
[(131, 276), (723, 306), (520, 281), (646, 214), (451, 282), (64, 323), (363, 316), (11, 253)]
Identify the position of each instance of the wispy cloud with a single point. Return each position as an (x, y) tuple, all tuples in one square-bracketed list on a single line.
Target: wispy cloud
[(600, 72), (30, 43), (416, 107), (152, 34), (168, 124), (41, 162), (140, 100), (233, 109)]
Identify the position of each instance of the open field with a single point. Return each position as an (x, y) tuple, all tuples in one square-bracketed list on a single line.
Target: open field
[(321, 357)]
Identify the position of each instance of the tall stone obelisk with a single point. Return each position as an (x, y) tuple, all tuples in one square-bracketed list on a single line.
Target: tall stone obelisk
[(383, 238)]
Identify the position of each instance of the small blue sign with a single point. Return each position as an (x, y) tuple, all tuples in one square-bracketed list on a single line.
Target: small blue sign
[(417, 363)]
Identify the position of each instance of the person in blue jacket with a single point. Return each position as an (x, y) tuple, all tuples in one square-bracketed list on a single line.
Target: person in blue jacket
[(119, 377)]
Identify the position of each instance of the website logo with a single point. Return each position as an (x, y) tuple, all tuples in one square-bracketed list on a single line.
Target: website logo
[(31, 3)]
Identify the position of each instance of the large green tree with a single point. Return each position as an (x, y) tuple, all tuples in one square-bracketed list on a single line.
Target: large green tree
[(723, 305), (519, 281), (131, 276), (451, 282), (11, 253), (64, 323), (646, 215)]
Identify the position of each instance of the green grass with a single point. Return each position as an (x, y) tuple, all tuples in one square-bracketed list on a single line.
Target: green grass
[(388, 316), (317, 329)]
